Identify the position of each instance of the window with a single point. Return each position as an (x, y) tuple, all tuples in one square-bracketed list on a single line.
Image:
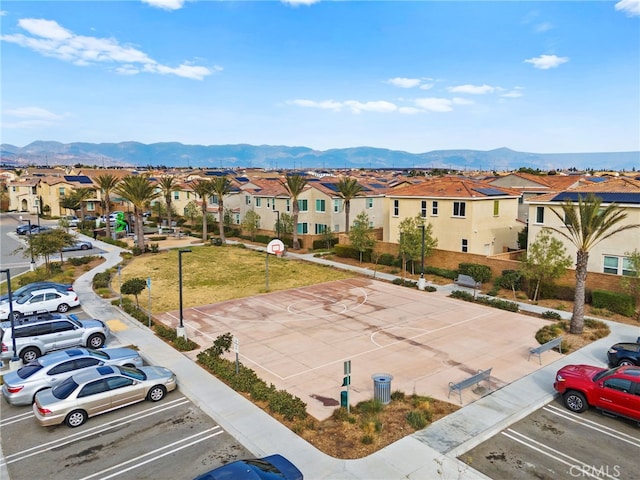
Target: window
[(303, 228), (620, 384), (618, 265), (336, 228), (61, 326), (303, 205), (369, 202), (459, 209), (237, 219), (61, 191), (62, 368), (336, 206), (465, 245), (320, 206), (320, 228), (247, 200), (99, 386), (423, 209), (434, 208), (258, 202), (539, 214), (119, 382), (176, 195), (288, 206), (396, 208), (269, 203), (496, 208)]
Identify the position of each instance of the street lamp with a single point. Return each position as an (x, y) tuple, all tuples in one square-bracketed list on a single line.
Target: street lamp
[(33, 262), (11, 317), (181, 332), (278, 223), (422, 283)]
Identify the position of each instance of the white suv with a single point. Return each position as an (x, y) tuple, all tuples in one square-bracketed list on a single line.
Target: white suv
[(36, 335)]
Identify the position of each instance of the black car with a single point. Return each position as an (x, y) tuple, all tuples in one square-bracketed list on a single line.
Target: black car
[(24, 229), (32, 287), (624, 354)]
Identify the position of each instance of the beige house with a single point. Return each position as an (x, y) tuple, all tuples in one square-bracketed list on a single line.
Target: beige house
[(611, 254), (466, 215)]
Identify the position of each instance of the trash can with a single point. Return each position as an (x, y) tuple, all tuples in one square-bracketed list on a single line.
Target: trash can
[(382, 387)]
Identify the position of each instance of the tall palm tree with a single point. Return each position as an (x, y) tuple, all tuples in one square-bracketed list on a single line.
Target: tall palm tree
[(204, 189), (107, 183), (348, 189), (587, 224), (139, 191), (168, 184), (221, 187), (294, 186)]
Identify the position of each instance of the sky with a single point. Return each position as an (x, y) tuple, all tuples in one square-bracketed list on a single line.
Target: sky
[(417, 76)]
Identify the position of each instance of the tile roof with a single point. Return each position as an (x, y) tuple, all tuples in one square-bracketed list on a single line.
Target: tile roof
[(453, 187), (614, 185)]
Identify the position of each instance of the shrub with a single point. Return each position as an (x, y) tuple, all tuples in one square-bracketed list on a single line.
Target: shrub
[(397, 395), (442, 272), (101, 280), (76, 261), (404, 282), (386, 259), (184, 344), (616, 302), (549, 314), (417, 419), (462, 295), (480, 273), (157, 238), (499, 303), (430, 288)]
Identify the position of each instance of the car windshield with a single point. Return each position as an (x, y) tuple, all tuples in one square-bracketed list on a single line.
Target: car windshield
[(264, 469), (98, 353), (63, 390), (132, 373), (29, 369), (604, 373)]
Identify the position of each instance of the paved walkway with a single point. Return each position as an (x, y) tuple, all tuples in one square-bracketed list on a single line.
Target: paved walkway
[(427, 454)]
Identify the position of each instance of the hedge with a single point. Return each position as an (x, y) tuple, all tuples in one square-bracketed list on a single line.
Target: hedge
[(613, 301)]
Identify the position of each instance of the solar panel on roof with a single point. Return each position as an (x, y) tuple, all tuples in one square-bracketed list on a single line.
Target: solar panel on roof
[(490, 192), (78, 179), (377, 185), (331, 186), (607, 197)]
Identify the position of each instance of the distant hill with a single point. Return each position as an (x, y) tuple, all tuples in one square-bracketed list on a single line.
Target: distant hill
[(174, 154)]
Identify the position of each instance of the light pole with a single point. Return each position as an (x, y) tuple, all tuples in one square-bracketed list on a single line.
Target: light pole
[(181, 331), (278, 224), (33, 262), (422, 283), (15, 358)]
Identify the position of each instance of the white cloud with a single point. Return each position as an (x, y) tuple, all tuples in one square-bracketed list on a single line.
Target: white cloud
[(29, 117), (166, 4), (404, 82), (433, 104), (50, 39), (545, 62), (462, 101), (295, 3), (472, 89), (426, 86), (630, 7), (515, 93), (378, 106), (543, 27), (32, 113), (324, 105)]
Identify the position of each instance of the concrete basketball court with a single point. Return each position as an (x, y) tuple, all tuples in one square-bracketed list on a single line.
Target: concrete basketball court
[(299, 340)]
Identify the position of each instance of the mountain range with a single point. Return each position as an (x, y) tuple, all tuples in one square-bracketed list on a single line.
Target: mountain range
[(174, 154)]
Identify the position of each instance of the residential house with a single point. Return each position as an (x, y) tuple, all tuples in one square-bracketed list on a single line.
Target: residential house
[(611, 254)]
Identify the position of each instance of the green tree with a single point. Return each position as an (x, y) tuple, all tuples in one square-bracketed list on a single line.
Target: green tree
[(70, 202), (221, 187), (631, 281), (45, 244), (204, 189), (107, 183), (139, 191), (167, 185), (546, 260), (83, 194), (286, 224), (361, 235), (348, 189), (250, 223), (327, 237), (410, 241), (587, 224), (191, 211), (134, 286), (294, 185)]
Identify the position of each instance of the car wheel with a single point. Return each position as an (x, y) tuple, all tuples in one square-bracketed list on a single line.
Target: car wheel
[(95, 341), (76, 418), (624, 362), (84, 247), (17, 315), (29, 354), (575, 401), (156, 393), (63, 307)]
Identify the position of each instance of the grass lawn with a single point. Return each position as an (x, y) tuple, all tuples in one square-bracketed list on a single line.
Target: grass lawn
[(215, 274)]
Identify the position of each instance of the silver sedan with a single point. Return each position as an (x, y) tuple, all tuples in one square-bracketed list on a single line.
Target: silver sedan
[(20, 386), (99, 390)]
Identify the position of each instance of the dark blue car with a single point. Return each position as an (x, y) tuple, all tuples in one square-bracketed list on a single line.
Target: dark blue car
[(624, 354), (273, 467)]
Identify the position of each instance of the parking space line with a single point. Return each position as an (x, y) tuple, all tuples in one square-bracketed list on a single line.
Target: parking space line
[(16, 418)]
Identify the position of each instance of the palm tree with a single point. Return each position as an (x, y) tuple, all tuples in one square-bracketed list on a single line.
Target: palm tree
[(168, 184), (586, 226), (221, 187), (204, 189), (294, 186), (139, 191), (348, 189), (82, 195), (107, 183)]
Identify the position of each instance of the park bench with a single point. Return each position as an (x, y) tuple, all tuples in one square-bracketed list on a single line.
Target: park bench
[(538, 351), (467, 281), (473, 380)]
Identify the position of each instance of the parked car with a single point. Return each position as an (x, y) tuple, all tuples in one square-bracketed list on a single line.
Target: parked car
[(273, 467), (20, 386), (38, 301), (99, 390), (615, 390), (88, 218), (24, 229), (40, 229), (15, 294), (71, 220), (36, 335), (79, 245), (624, 354)]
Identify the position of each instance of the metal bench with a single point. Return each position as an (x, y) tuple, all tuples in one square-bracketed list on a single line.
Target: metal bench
[(538, 351), (474, 380), (467, 281)]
